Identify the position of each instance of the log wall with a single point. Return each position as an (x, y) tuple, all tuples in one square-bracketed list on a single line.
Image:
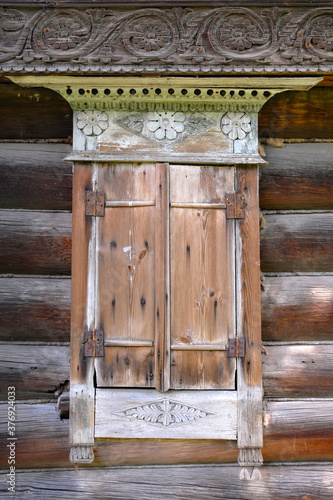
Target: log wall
[(296, 198)]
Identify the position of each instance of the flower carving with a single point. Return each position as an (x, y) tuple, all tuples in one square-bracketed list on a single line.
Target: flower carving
[(322, 34), (92, 122), (64, 32), (239, 33), (150, 34), (166, 125), (165, 413), (236, 125)]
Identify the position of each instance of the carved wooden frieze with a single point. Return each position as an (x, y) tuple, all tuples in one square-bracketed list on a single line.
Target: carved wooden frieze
[(227, 40)]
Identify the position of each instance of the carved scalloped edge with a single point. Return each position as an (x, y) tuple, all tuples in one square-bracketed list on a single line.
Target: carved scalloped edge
[(81, 454), (250, 457)]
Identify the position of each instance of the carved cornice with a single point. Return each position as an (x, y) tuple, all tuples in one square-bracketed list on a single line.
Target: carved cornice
[(223, 40), (166, 94)]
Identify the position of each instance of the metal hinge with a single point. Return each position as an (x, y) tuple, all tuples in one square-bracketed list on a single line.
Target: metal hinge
[(95, 203), (93, 343), (235, 205), (237, 348)]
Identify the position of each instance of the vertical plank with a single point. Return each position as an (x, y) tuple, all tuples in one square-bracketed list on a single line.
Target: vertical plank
[(250, 439), (162, 291), (202, 278), (82, 369)]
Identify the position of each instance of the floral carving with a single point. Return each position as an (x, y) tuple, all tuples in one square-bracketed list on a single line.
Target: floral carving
[(63, 33), (165, 413), (236, 125), (239, 33), (321, 33), (150, 34), (92, 122), (176, 41), (166, 125)]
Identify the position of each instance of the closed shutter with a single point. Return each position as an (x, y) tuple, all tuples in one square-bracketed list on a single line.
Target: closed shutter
[(165, 262)]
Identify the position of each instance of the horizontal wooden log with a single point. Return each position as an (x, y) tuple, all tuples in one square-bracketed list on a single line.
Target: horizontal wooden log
[(293, 431), (297, 243), (297, 308), (35, 176), (35, 243), (36, 371), (172, 483), (34, 309), (298, 177), (298, 115), (298, 371), (33, 113), (294, 371)]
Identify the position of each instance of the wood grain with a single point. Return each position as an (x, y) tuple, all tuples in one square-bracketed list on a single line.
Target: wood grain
[(176, 483), (46, 114), (297, 243), (293, 431), (297, 177), (202, 277), (37, 372), (43, 303), (294, 114), (297, 308), (35, 243), (298, 371), (35, 176)]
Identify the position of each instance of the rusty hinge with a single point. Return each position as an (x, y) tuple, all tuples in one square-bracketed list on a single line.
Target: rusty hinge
[(235, 205), (237, 348), (93, 343), (95, 203)]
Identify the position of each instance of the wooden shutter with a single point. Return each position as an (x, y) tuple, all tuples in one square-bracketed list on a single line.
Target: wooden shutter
[(135, 261)]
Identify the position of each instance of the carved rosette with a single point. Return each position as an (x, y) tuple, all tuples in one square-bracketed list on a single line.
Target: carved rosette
[(165, 413), (165, 126), (179, 40), (236, 125), (92, 123)]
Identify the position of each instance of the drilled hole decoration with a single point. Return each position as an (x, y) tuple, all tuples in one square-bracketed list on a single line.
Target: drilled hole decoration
[(236, 125)]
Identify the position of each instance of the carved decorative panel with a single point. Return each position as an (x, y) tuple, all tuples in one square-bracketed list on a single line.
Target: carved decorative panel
[(176, 40)]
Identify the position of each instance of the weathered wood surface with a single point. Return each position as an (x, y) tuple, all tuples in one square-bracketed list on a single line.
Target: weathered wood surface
[(35, 243), (288, 370), (297, 243), (35, 176), (37, 371), (293, 431), (309, 482), (298, 371), (293, 308), (302, 115), (40, 243), (298, 177), (34, 309), (34, 113), (297, 308)]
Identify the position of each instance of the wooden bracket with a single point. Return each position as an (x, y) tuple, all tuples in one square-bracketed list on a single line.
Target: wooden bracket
[(237, 348), (95, 203), (235, 205), (93, 343)]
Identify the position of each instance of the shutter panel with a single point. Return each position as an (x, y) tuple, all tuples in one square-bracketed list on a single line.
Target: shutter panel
[(126, 255), (134, 257), (202, 278)]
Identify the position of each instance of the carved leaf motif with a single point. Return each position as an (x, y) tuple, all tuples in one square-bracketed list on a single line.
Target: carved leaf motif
[(165, 413)]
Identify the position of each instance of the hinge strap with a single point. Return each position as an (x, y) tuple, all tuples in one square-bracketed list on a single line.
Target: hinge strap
[(95, 203), (93, 343), (237, 348), (235, 205)]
